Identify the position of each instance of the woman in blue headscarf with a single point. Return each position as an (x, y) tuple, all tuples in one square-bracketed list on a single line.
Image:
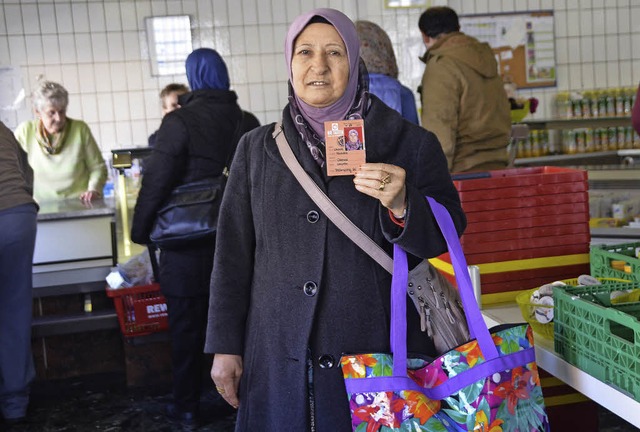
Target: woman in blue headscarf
[(193, 143)]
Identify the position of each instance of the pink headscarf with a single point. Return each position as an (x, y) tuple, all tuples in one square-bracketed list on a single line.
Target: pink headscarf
[(347, 31)]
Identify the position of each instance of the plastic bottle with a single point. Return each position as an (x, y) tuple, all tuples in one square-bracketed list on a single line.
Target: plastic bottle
[(580, 140), (595, 103), (627, 102), (585, 104), (597, 142), (611, 103), (569, 142), (612, 133), (109, 189), (602, 103), (563, 105), (589, 141), (535, 143), (544, 143), (552, 141), (620, 101), (628, 137), (576, 107), (527, 145), (604, 139)]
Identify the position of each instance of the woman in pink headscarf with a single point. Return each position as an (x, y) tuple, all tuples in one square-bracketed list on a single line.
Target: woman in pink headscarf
[(289, 292)]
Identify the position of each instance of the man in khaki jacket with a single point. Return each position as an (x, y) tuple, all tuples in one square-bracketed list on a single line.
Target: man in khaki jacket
[(463, 97)]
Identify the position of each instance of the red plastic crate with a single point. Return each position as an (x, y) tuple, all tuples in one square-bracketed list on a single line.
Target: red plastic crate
[(547, 244), (491, 257), (526, 203), (521, 192), (141, 310), (527, 212), (549, 273), (523, 284), (525, 224), (524, 233), (519, 177)]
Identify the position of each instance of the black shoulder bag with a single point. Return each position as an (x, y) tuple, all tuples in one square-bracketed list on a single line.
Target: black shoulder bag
[(191, 212)]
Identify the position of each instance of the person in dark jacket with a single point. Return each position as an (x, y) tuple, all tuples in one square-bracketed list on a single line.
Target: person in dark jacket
[(195, 142), (289, 292), (18, 212)]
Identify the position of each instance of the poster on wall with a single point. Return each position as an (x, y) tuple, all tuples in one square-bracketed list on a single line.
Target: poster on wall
[(523, 43)]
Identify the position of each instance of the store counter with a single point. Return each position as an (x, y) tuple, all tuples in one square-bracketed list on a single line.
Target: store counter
[(74, 252), (610, 398)]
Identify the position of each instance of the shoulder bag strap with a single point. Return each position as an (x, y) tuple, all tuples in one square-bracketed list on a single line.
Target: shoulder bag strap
[(327, 206)]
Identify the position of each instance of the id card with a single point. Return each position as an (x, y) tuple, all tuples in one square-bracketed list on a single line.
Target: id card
[(345, 148)]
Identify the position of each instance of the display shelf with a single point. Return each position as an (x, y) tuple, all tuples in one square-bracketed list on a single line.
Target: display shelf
[(624, 158), (615, 401), (575, 123)]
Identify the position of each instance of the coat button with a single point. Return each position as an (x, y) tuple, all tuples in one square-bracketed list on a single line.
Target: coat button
[(326, 361), (313, 216), (310, 288)]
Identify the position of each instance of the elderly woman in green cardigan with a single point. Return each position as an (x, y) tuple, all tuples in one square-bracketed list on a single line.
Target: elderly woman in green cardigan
[(65, 158)]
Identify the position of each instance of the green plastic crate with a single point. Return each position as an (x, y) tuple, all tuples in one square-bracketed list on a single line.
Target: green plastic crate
[(601, 339), (600, 258)]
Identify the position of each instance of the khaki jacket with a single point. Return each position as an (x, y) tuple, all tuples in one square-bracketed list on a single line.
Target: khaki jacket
[(465, 105)]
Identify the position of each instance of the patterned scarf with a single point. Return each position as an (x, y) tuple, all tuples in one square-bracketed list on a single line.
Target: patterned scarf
[(51, 144), (309, 135), (376, 49)]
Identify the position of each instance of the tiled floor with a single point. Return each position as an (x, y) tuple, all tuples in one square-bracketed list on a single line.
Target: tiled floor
[(103, 403)]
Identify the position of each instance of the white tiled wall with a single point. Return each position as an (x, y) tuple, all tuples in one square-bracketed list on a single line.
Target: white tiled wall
[(97, 49)]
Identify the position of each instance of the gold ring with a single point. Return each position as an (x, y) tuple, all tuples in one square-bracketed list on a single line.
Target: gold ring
[(220, 389), (386, 179), (382, 185)]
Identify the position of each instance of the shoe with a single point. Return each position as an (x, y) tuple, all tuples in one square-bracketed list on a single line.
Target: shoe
[(187, 419)]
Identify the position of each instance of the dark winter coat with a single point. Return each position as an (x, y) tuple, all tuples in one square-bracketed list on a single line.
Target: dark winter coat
[(287, 283), (193, 143)]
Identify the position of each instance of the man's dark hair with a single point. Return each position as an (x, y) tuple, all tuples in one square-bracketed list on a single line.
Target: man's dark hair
[(438, 20), (174, 87)]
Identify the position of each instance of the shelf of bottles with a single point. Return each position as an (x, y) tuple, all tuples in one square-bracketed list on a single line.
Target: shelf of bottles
[(591, 121)]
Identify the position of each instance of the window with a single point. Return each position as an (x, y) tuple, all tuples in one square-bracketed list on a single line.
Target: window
[(169, 40)]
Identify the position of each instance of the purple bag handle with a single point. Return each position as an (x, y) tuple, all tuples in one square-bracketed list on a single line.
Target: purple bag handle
[(477, 327)]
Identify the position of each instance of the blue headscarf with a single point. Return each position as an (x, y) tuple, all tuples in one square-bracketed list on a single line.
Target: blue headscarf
[(206, 70)]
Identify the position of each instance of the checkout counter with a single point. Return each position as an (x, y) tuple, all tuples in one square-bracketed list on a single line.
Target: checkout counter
[(77, 244), (74, 252)]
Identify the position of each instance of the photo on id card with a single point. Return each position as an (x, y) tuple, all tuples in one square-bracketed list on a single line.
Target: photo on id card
[(345, 146)]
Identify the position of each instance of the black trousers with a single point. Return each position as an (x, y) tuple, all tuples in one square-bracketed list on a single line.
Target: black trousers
[(184, 281), (187, 324)]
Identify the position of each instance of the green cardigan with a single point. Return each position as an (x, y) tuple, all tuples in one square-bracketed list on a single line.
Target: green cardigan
[(78, 167)]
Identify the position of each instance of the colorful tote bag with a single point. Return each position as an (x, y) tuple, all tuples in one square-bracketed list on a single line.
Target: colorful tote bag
[(489, 384)]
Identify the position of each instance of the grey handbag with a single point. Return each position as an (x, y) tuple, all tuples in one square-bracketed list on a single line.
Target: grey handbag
[(436, 300)]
